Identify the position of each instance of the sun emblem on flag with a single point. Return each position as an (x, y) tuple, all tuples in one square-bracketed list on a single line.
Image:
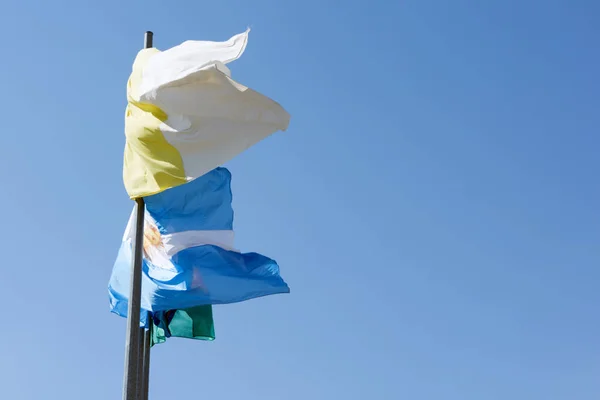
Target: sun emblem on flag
[(152, 240), (156, 254)]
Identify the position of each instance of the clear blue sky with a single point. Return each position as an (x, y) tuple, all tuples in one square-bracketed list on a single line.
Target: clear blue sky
[(434, 205)]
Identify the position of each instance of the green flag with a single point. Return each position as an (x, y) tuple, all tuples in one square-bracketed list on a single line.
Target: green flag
[(192, 323)]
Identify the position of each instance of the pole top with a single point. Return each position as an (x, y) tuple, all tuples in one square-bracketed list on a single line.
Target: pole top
[(148, 39)]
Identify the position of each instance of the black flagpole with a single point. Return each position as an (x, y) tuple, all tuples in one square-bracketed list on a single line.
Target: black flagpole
[(136, 358), (146, 360), (132, 343), (144, 354)]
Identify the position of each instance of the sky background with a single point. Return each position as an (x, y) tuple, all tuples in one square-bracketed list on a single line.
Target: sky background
[(434, 205)]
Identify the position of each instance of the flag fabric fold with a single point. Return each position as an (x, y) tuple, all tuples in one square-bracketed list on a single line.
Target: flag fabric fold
[(189, 255), (192, 323), (186, 115)]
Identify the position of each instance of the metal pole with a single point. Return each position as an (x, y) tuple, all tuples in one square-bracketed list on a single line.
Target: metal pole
[(132, 343), (148, 39), (134, 347), (144, 352), (146, 362), (140, 365)]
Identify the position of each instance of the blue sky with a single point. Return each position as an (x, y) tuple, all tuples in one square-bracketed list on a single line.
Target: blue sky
[(433, 206)]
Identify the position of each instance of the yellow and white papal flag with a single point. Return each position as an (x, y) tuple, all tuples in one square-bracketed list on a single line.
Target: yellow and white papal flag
[(186, 116)]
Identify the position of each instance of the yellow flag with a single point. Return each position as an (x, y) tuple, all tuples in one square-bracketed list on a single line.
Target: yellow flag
[(186, 116)]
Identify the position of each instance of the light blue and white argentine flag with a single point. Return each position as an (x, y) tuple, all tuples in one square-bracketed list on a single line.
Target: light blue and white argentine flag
[(189, 255)]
